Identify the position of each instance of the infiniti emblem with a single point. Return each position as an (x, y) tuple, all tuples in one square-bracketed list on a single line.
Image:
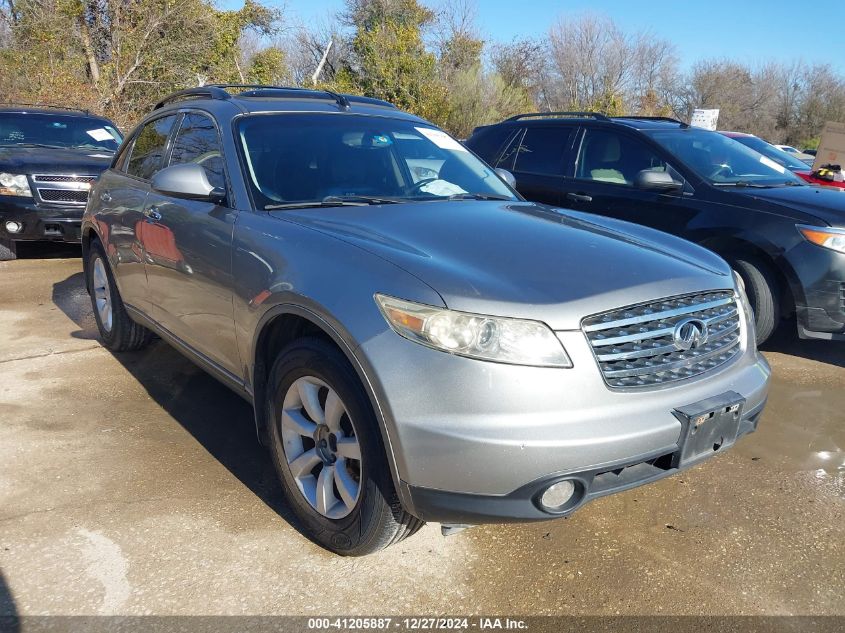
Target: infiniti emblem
[(690, 334)]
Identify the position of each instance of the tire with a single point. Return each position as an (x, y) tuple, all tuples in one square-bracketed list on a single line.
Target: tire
[(350, 521), (8, 250), (763, 294), (118, 331)]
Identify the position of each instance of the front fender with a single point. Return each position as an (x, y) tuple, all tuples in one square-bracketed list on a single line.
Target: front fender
[(281, 268)]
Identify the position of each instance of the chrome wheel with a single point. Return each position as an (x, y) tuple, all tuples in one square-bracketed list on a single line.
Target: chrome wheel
[(102, 294), (321, 447)]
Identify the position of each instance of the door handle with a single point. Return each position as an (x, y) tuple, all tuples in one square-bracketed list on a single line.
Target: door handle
[(153, 214), (579, 197), (105, 196)]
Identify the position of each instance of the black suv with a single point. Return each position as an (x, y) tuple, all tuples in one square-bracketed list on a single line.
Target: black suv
[(48, 159), (786, 239)]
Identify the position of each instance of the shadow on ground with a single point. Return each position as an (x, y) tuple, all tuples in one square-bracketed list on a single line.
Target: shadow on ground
[(217, 418), (8, 611), (786, 341)]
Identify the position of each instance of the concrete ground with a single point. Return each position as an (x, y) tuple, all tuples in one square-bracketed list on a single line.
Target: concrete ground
[(133, 484)]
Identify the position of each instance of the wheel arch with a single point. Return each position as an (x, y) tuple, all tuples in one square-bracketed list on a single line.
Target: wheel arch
[(88, 237), (788, 284), (280, 326)]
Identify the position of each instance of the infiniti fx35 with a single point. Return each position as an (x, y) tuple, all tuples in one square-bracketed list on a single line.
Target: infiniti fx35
[(418, 342)]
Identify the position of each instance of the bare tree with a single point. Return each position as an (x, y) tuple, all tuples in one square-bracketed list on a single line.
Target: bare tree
[(523, 63), (305, 47), (590, 60)]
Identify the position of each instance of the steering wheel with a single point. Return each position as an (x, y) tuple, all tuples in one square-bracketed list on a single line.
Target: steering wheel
[(722, 170), (417, 186)]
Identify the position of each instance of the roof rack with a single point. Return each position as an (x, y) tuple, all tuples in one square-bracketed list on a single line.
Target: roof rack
[(221, 92), (209, 92), (532, 115), (45, 105), (638, 117)]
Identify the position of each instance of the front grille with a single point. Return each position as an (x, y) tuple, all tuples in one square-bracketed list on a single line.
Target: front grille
[(636, 346), (69, 189), (61, 178), (63, 195), (842, 296)]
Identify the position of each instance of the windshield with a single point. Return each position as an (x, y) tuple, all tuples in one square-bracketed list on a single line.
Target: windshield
[(319, 158), (777, 155), (57, 130), (721, 160)]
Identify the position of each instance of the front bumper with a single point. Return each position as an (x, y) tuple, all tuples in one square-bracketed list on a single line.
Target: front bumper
[(474, 441), (40, 221), (820, 300), (522, 504)]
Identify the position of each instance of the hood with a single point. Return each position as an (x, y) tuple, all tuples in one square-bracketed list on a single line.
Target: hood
[(824, 203), (44, 160), (522, 259)]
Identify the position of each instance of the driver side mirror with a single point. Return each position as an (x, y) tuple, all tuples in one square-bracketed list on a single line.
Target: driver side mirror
[(660, 181), (187, 180), (505, 175)]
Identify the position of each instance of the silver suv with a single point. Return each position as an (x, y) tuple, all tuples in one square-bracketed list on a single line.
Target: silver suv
[(418, 342)]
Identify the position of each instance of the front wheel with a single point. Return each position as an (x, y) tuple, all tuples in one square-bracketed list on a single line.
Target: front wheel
[(327, 449), (763, 294)]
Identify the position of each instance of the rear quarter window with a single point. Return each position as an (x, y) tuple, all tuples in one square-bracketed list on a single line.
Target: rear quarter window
[(487, 142)]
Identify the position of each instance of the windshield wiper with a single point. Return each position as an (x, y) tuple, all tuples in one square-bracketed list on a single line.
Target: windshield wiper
[(333, 201), (40, 145), (99, 148), (742, 183), (478, 196)]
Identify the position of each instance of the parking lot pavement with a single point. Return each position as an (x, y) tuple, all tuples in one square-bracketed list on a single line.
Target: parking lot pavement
[(133, 484)]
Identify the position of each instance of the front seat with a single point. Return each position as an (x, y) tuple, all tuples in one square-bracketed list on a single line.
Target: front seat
[(603, 160)]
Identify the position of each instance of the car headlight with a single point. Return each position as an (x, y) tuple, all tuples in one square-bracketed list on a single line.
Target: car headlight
[(745, 304), (514, 341), (825, 236), (14, 185)]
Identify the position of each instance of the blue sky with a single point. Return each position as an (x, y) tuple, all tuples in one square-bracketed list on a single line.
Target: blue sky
[(750, 31)]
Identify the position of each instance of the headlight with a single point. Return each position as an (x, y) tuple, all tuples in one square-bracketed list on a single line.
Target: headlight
[(746, 309), (827, 237), (514, 341), (14, 185)]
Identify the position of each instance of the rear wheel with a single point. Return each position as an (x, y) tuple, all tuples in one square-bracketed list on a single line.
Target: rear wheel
[(8, 250), (328, 453), (763, 293), (118, 331)]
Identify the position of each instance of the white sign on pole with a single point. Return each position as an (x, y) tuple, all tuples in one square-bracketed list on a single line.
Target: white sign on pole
[(706, 119)]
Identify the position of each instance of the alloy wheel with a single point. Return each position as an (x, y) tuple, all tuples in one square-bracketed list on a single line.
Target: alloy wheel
[(321, 447), (102, 294)]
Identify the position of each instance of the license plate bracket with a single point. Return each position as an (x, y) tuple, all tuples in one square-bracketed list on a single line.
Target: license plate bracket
[(709, 426)]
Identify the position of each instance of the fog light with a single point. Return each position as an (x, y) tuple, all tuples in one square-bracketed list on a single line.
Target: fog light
[(558, 495), (14, 227)]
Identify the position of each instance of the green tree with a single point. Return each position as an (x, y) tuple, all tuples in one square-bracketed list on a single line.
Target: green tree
[(268, 66), (119, 57), (388, 60), (478, 98)]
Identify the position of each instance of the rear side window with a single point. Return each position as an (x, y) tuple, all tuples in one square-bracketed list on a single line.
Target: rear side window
[(487, 142), (542, 150), (197, 142), (510, 151), (149, 147)]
